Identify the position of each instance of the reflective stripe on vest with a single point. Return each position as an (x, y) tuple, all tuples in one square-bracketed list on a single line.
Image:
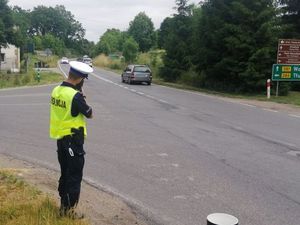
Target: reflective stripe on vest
[(61, 119)]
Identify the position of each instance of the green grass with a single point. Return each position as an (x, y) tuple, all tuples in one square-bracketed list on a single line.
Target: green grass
[(22, 204), (51, 61), (30, 78)]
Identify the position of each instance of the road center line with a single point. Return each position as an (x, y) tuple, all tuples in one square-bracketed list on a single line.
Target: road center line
[(129, 89)]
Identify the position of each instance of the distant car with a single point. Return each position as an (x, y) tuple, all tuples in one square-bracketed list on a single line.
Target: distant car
[(79, 59), (137, 74), (88, 61), (64, 60)]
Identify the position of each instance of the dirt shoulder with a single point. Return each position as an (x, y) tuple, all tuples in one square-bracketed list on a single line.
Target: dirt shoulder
[(99, 207)]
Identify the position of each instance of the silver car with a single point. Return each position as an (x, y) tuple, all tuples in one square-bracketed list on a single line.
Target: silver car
[(137, 74), (88, 61)]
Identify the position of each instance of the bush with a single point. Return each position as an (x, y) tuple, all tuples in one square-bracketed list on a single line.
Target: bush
[(284, 88), (17, 81), (191, 78), (102, 61), (116, 66), (26, 79)]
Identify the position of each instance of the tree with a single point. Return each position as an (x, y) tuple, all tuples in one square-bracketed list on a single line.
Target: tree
[(236, 44), (57, 21), (183, 8), (130, 50), (53, 43), (6, 26), (175, 37), (111, 41), (291, 17), (142, 30), (21, 20)]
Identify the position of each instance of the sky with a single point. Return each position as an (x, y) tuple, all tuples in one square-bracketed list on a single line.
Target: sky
[(97, 16)]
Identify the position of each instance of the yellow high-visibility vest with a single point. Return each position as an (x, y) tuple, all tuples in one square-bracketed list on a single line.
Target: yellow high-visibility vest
[(61, 119)]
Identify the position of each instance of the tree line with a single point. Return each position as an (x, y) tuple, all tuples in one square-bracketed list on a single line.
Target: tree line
[(227, 45), (43, 27), (224, 45)]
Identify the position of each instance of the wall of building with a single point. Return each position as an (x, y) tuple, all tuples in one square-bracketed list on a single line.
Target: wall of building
[(10, 59)]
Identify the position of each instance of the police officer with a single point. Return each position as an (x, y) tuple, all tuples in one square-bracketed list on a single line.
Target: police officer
[(67, 125)]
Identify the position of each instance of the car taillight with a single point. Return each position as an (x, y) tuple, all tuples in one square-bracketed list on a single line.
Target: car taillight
[(132, 75)]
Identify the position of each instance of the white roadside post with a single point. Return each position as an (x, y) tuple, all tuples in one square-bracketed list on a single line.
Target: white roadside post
[(268, 88), (221, 219)]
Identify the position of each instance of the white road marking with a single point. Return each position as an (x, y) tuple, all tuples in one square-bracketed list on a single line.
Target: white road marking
[(180, 197), (162, 101), (293, 115), (62, 70), (248, 105), (191, 178), (162, 154), (270, 110), (163, 179), (153, 166), (191, 92), (130, 89)]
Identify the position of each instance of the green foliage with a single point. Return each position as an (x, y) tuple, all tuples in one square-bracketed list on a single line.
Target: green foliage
[(235, 42), (175, 38), (291, 18), (6, 24), (142, 30), (37, 40), (49, 27), (23, 204), (17, 81), (55, 44), (130, 50), (110, 42), (183, 8), (57, 21), (21, 22)]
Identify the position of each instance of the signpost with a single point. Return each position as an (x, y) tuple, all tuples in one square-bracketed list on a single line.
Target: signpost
[(285, 72), (288, 62), (288, 51)]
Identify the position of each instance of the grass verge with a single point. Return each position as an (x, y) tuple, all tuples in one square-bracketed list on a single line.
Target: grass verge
[(30, 78), (22, 204), (293, 98)]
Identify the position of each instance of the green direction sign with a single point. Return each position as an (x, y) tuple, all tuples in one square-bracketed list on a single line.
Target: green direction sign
[(282, 72)]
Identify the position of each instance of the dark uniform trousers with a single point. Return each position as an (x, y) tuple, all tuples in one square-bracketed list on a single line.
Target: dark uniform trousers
[(71, 159)]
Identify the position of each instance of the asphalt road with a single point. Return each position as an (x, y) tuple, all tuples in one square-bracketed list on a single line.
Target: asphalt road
[(175, 155)]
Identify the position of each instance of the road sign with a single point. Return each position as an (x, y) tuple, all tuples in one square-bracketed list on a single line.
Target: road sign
[(286, 72), (288, 51)]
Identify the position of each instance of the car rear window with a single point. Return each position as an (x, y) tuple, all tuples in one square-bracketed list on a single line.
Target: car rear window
[(143, 69)]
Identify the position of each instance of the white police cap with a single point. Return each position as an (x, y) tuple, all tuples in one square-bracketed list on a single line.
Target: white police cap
[(80, 69)]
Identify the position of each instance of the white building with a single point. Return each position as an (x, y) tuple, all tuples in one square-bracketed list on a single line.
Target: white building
[(10, 59)]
